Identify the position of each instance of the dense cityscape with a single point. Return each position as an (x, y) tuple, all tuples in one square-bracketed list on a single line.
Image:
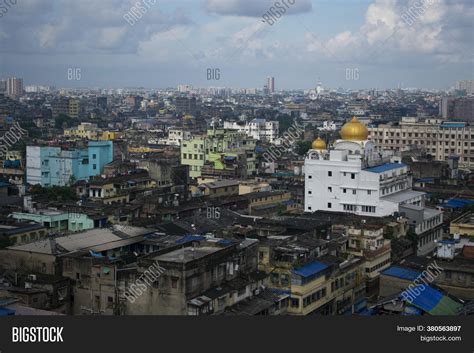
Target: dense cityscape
[(171, 167), (222, 201)]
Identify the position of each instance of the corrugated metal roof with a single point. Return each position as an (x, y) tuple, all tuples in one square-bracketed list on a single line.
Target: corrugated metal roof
[(403, 273), (385, 167), (434, 302), (310, 269)]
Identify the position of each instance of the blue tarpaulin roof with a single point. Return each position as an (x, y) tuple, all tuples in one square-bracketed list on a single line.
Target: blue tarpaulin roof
[(458, 203), (95, 254), (6, 312), (225, 242), (427, 299), (403, 273), (385, 167), (310, 269), (188, 238)]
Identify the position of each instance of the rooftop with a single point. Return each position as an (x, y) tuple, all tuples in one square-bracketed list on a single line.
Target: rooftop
[(310, 269), (385, 167), (403, 196), (99, 238), (403, 273), (185, 255)]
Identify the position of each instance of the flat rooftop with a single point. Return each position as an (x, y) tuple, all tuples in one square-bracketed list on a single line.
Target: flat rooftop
[(188, 254), (385, 167), (403, 196)]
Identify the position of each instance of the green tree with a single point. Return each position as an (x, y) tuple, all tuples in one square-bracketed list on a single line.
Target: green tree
[(302, 147), (63, 121)]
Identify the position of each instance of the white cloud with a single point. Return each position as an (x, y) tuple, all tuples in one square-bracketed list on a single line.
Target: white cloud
[(256, 8)]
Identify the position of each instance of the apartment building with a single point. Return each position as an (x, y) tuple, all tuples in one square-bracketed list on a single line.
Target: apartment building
[(259, 129), (440, 138), (199, 150)]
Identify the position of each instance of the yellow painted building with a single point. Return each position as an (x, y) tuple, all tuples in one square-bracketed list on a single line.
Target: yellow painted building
[(260, 201), (91, 132), (317, 287), (463, 225)]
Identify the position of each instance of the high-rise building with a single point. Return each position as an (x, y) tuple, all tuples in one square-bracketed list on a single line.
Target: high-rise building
[(186, 105), (3, 86), (465, 85), (461, 108), (73, 108), (271, 84), (14, 87)]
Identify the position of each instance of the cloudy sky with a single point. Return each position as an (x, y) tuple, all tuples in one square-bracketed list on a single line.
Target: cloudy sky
[(344, 43)]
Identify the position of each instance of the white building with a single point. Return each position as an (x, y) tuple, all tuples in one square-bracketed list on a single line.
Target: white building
[(328, 126), (355, 177), (259, 129), (175, 137)]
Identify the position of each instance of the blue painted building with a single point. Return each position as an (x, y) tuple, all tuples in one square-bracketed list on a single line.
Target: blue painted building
[(53, 166)]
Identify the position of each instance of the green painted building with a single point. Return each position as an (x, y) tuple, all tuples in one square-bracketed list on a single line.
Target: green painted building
[(216, 145), (58, 221)]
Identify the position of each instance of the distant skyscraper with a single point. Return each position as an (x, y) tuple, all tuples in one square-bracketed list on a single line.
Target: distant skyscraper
[(271, 84), (184, 88), (457, 108), (14, 87), (466, 85), (3, 86)]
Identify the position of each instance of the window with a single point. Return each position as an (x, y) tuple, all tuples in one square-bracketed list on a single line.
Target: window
[(368, 209), (353, 176), (344, 191), (310, 192), (329, 205), (369, 192), (330, 189), (295, 302), (94, 166), (174, 282), (275, 278), (354, 192), (94, 156), (310, 177), (329, 173)]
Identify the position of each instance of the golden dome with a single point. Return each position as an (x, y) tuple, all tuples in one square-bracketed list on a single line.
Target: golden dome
[(354, 130), (318, 144)]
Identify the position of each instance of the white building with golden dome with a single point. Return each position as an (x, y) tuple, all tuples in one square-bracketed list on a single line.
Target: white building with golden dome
[(352, 176)]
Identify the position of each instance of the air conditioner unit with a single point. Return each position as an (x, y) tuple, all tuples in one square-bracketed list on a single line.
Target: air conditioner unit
[(32, 277)]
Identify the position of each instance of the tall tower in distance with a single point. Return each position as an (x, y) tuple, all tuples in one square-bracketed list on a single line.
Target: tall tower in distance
[(14, 87), (271, 84)]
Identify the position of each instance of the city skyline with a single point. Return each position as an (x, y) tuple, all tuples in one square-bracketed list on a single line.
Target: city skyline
[(352, 45)]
